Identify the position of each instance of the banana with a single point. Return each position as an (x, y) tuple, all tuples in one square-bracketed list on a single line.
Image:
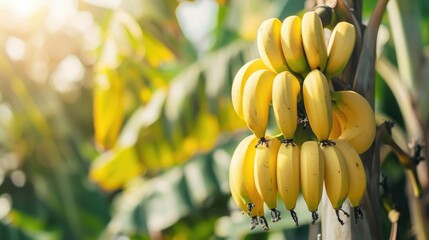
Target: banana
[(265, 175), (336, 177), (269, 45), (288, 176), (357, 176), (241, 175), (313, 41), (356, 119), (284, 98), (291, 41), (239, 82), (317, 102), (311, 176), (340, 48), (256, 102)]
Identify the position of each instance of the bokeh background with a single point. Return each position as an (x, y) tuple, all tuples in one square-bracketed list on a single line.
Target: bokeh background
[(116, 120)]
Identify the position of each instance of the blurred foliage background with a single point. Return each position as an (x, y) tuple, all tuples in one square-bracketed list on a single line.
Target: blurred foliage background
[(116, 120)]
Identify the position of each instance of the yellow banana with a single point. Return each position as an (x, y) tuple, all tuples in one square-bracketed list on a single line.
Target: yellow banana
[(239, 82), (311, 176), (357, 176), (288, 176), (356, 119), (269, 45), (340, 48), (241, 176), (256, 102), (284, 98), (317, 102), (336, 177), (313, 41), (291, 40), (265, 175)]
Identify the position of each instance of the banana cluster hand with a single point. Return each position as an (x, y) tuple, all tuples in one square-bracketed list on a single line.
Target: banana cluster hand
[(323, 131)]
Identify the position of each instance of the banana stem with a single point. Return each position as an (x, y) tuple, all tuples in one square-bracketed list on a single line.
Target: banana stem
[(325, 13), (415, 183), (404, 158), (388, 205), (394, 231), (393, 217)]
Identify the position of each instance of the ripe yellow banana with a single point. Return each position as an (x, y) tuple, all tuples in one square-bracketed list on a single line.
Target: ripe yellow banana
[(284, 98), (317, 102), (340, 48), (356, 119), (336, 177), (241, 175), (269, 45), (239, 82), (256, 101), (288, 176), (311, 175), (291, 40), (313, 41), (265, 175), (357, 176)]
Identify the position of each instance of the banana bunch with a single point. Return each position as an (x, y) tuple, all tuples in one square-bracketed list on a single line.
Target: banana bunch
[(321, 131)]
